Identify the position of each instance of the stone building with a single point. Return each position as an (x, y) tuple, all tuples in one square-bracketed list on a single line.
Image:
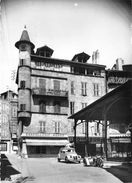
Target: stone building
[(50, 90), (8, 121)]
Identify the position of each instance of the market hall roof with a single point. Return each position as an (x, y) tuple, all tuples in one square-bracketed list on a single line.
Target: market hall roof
[(116, 105)]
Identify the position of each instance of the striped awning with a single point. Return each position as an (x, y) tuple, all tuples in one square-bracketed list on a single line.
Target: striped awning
[(46, 142)]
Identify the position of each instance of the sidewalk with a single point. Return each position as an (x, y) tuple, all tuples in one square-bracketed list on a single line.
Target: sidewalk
[(17, 169)]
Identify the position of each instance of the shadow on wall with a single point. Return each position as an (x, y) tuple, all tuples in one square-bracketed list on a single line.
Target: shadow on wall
[(6, 168)]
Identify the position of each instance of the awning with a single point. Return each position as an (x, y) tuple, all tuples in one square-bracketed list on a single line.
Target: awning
[(46, 142)]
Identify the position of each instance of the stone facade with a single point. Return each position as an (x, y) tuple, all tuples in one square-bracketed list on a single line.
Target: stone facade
[(8, 121), (50, 90)]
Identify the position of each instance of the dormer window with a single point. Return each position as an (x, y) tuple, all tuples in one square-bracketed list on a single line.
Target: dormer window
[(44, 51)]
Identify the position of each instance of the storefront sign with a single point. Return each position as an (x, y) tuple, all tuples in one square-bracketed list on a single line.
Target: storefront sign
[(117, 80), (49, 66), (92, 140), (121, 140)]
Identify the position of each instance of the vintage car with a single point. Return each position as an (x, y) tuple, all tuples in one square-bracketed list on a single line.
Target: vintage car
[(68, 154)]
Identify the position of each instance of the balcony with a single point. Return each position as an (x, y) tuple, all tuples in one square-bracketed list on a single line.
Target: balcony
[(49, 92)]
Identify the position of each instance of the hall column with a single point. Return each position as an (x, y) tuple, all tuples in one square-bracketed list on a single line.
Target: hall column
[(75, 125), (105, 135), (87, 138)]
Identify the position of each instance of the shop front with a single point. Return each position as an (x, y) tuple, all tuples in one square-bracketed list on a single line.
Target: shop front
[(42, 147), (95, 145)]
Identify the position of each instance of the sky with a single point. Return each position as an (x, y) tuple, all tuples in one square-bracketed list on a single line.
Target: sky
[(68, 27)]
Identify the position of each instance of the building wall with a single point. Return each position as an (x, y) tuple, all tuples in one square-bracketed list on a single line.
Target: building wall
[(65, 78)]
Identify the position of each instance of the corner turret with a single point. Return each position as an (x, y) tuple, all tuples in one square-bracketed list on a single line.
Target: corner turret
[(23, 41)]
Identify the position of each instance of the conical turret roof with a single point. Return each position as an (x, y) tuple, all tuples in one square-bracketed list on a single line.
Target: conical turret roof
[(25, 36), (24, 39)]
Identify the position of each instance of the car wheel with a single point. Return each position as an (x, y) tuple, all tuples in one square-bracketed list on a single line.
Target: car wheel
[(66, 159), (58, 159)]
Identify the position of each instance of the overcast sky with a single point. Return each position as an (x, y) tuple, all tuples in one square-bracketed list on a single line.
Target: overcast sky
[(68, 27)]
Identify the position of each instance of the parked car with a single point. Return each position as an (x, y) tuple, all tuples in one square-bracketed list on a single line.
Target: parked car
[(68, 154)]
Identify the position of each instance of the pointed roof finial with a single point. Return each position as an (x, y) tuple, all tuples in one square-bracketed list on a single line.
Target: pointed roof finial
[(24, 39)]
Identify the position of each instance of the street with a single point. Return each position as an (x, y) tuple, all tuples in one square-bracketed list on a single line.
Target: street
[(40, 170)]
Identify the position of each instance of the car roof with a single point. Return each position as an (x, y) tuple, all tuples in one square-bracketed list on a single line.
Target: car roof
[(65, 148)]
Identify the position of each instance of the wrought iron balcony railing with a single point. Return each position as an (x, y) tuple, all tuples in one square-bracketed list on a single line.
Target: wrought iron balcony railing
[(49, 92)]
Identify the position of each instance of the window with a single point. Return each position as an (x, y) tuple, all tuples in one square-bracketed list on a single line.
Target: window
[(57, 127), (84, 88), (72, 88), (22, 84), (72, 106), (42, 83), (72, 127), (42, 125), (96, 89), (21, 61), (72, 69), (22, 107), (42, 106), (56, 107), (3, 147), (56, 85), (23, 47), (84, 105), (14, 112)]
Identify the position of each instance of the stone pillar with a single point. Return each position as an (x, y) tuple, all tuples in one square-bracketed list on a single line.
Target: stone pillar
[(24, 149), (75, 125), (87, 138)]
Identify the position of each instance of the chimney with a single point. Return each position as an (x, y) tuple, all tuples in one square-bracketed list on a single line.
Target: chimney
[(95, 57), (119, 63)]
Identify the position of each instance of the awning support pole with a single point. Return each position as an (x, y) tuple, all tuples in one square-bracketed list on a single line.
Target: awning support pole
[(87, 138), (75, 125), (105, 140)]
